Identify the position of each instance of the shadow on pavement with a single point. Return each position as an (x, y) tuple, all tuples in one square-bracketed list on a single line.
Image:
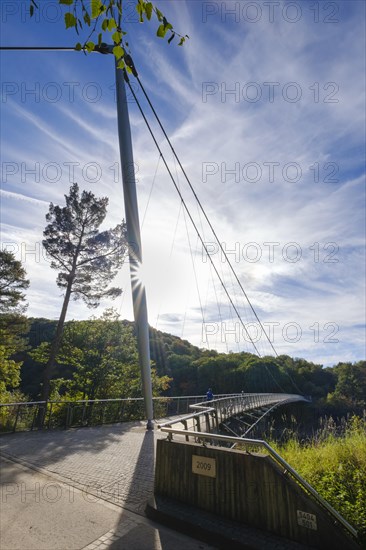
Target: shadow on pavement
[(53, 445), (149, 535)]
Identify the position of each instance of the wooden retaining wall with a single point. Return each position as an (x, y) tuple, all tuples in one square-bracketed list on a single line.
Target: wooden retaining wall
[(248, 488)]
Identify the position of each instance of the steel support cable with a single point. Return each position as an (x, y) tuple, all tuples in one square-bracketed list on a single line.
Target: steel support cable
[(239, 305), (150, 193), (218, 303), (170, 255), (39, 48), (192, 259), (194, 270), (204, 213), (186, 207), (143, 221)]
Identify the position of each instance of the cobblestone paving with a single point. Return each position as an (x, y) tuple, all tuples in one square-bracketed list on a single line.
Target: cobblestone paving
[(115, 463), (113, 536)]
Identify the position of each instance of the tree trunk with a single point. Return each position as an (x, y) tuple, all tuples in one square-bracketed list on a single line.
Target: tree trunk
[(55, 347)]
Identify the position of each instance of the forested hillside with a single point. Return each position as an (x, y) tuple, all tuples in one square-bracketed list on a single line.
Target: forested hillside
[(99, 359)]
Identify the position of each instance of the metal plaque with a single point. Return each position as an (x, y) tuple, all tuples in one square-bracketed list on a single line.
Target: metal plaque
[(204, 466), (306, 520)]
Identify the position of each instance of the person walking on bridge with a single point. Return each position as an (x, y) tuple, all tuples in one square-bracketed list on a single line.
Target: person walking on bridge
[(209, 395)]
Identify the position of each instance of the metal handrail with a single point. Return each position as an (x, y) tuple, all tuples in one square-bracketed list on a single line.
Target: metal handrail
[(186, 417), (260, 443), (205, 408), (13, 418), (159, 398)]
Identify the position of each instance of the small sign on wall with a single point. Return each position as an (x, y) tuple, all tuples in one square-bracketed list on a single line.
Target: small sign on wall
[(306, 520), (204, 466)]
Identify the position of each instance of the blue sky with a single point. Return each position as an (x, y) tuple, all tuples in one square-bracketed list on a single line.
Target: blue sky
[(265, 107)]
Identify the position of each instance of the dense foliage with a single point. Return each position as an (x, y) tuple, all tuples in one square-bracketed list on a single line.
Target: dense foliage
[(334, 463), (93, 352), (98, 359)]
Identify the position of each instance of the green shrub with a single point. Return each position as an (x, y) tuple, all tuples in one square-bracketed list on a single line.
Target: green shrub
[(335, 465)]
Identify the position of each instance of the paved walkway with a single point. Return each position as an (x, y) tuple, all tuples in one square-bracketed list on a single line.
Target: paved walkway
[(82, 488)]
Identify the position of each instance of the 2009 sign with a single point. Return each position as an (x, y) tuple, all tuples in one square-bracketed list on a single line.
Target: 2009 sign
[(204, 466)]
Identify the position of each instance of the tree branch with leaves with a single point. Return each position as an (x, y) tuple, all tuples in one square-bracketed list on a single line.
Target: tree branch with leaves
[(102, 20)]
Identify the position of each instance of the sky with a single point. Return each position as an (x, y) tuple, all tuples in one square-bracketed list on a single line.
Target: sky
[(265, 107)]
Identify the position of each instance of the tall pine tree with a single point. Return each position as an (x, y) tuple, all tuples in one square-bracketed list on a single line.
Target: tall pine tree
[(87, 259)]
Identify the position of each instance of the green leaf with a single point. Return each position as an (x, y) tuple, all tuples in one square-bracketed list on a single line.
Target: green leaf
[(112, 24), (140, 8), (96, 8), (181, 42), (70, 20), (66, 2), (159, 15), (149, 10), (118, 52), (105, 24), (161, 31), (121, 64), (87, 18), (89, 46), (117, 37), (99, 39), (78, 47)]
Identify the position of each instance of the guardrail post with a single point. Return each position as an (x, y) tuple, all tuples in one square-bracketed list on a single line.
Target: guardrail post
[(35, 418), (121, 411), (49, 417), (207, 418), (16, 419), (67, 416), (185, 424), (198, 422)]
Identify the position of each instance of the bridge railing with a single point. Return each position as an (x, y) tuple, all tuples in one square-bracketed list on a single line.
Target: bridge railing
[(193, 430), (16, 417), (217, 411)]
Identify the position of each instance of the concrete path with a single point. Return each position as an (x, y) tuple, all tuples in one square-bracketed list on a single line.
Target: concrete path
[(82, 488)]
